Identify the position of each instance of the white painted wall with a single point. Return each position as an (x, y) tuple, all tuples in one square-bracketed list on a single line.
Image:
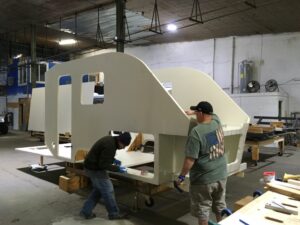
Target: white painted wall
[(197, 55), (223, 62), (281, 55), (2, 98), (2, 78), (275, 57), (2, 105)]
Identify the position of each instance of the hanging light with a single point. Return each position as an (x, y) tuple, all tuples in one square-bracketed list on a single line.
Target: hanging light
[(171, 27), (69, 41), (18, 56)]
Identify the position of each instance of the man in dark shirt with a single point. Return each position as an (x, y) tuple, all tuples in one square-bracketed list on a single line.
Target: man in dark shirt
[(100, 159)]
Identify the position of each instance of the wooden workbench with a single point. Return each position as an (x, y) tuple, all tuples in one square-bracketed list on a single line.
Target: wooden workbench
[(254, 145), (255, 212)]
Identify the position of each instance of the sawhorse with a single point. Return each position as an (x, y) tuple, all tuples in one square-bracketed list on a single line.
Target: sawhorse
[(254, 145)]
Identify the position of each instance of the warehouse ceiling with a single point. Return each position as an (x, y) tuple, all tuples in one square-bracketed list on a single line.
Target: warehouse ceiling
[(56, 20)]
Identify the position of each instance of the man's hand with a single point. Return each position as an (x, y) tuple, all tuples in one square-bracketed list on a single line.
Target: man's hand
[(190, 112), (180, 179), (117, 162), (122, 169)]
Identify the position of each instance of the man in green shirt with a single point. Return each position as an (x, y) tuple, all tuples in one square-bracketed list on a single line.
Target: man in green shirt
[(205, 161)]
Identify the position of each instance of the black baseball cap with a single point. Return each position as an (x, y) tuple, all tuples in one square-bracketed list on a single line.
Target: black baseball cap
[(204, 107), (125, 138)]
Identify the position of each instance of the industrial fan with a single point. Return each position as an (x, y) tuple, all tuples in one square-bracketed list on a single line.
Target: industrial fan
[(253, 86), (271, 85)]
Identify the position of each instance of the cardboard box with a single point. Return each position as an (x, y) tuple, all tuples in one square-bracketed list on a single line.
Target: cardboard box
[(69, 184), (64, 183), (84, 181), (74, 184)]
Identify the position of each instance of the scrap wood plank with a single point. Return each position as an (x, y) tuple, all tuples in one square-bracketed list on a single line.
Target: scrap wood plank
[(256, 213), (137, 143), (294, 182), (285, 190)]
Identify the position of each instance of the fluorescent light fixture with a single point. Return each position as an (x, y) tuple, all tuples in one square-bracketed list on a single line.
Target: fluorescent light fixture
[(171, 27), (67, 41), (17, 56), (67, 30)]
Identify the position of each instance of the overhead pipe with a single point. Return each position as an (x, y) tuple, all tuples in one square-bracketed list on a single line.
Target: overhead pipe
[(120, 25), (232, 65), (107, 4), (33, 57), (214, 59)]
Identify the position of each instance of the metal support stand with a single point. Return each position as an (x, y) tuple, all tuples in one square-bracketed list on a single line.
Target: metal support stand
[(135, 207), (42, 160)]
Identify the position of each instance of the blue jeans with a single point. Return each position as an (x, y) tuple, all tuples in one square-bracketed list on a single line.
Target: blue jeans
[(102, 188)]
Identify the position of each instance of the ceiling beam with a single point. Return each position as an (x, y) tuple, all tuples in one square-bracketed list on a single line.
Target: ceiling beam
[(104, 5)]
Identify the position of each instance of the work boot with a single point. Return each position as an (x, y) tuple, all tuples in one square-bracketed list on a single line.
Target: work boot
[(87, 217), (120, 216)]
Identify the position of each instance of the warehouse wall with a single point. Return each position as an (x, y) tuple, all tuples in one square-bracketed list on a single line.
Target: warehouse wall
[(275, 57), (2, 105), (197, 54)]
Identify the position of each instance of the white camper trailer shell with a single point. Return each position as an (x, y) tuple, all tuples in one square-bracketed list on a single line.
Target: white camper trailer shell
[(37, 107), (135, 100)]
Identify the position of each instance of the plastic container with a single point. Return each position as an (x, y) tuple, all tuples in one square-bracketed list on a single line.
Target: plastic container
[(269, 176)]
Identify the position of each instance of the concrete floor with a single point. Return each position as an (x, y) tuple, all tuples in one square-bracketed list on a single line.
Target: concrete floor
[(28, 200)]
